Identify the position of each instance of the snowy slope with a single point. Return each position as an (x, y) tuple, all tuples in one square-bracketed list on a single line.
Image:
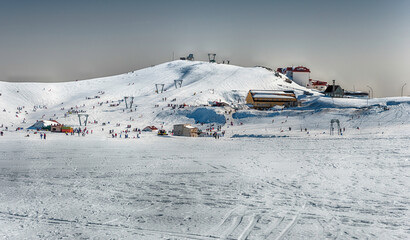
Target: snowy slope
[(202, 82), (196, 76)]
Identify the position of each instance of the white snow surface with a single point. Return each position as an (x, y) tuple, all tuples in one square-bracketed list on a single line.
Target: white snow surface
[(275, 174)]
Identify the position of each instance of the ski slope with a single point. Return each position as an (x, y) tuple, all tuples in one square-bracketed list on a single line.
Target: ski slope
[(275, 174), (202, 82)]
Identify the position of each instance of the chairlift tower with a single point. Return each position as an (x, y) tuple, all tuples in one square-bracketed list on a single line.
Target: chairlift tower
[(159, 88), (178, 83), (211, 57), (332, 129), (83, 115), (126, 101)]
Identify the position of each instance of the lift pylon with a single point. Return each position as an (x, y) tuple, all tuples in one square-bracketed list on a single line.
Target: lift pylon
[(332, 129), (159, 87), (131, 101), (178, 83), (211, 57), (82, 115)]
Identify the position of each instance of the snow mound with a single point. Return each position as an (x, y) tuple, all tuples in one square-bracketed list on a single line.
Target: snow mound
[(207, 115)]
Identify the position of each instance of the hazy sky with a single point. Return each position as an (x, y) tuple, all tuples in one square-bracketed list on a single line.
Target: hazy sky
[(358, 43)]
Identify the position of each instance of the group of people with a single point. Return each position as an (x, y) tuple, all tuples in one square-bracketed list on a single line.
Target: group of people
[(80, 131), (43, 136), (126, 133)]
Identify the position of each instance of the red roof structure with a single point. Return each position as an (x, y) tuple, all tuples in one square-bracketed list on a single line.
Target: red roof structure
[(152, 128), (300, 69), (293, 69), (319, 83)]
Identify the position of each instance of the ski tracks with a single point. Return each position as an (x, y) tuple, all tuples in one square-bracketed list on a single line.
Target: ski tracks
[(106, 227), (253, 221), (244, 221), (240, 227), (291, 224)]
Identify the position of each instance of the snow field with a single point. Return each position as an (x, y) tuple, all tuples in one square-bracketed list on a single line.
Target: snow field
[(203, 188)]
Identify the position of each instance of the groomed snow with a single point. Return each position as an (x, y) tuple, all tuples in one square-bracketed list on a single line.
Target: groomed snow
[(201, 188)]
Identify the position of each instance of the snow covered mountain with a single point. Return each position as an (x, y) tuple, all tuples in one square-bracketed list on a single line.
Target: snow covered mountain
[(201, 82), (22, 104)]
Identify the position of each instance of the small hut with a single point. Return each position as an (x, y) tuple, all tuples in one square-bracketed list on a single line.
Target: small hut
[(185, 130), (66, 129), (334, 91), (56, 128), (149, 128)]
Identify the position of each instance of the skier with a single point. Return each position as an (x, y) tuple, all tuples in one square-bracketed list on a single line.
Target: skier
[(41, 135), (45, 136)]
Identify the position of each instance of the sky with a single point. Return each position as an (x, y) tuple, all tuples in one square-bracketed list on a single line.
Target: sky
[(361, 44)]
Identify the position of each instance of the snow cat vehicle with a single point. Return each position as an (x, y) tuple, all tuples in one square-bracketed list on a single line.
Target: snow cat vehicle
[(162, 132)]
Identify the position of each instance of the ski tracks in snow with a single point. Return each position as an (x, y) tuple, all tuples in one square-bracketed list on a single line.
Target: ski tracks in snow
[(104, 227), (236, 224), (243, 221), (291, 224)]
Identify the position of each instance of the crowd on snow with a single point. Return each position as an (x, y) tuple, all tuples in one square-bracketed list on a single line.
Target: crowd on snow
[(211, 131)]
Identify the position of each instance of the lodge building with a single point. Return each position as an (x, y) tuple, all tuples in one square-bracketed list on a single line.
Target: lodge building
[(262, 99)]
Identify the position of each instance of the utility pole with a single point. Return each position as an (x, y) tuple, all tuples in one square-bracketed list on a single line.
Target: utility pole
[(371, 90), (368, 99), (402, 89)]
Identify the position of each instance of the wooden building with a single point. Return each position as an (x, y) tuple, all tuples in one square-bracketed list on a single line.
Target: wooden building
[(56, 128), (262, 99), (185, 130)]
